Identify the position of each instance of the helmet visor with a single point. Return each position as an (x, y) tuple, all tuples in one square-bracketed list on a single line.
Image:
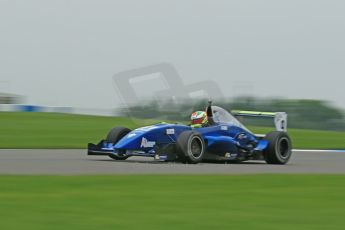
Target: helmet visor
[(198, 121)]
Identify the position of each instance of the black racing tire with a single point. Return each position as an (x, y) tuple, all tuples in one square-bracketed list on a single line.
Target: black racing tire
[(279, 148), (113, 137), (190, 147)]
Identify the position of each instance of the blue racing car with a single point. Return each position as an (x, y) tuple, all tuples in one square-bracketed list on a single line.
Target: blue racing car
[(214, 135)]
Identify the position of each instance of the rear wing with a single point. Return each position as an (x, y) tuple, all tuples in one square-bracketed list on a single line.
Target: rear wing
[(280, 118)]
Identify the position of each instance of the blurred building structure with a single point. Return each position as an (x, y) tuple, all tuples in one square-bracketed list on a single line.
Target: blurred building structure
[(7, 98)]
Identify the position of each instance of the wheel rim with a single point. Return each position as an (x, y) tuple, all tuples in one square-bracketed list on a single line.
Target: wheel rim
[(196, 147), (284, 148)]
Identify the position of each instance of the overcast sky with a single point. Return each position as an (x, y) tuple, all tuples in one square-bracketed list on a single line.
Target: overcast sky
[(65, 52)]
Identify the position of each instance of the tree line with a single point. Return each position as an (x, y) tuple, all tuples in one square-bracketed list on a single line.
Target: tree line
[(305, 114)]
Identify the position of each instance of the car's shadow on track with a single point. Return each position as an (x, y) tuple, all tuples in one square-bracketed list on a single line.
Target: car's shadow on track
[(129, 161)]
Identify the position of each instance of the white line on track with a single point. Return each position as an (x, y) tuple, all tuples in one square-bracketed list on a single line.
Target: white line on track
[(319, 150)]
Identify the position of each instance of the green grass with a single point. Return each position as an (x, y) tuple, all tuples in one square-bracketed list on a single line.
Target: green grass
[(172, 202), (47, 130)]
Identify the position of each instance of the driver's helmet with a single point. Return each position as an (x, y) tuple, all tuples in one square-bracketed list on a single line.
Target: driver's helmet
[(199, 118)]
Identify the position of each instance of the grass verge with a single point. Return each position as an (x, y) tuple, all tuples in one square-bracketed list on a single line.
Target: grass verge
[(172, 202)]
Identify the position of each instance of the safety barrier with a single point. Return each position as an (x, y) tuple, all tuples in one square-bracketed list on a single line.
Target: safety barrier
[(56, 109)]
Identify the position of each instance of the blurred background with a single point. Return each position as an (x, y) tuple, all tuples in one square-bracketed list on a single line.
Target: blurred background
[(64, 53), (67, 56)]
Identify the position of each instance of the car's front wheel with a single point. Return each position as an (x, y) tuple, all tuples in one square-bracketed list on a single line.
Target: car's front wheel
[(113, 137), (191, 147), (279, 149)]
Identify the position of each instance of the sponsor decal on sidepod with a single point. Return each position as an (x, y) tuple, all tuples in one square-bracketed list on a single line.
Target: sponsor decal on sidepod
[(146, 144)]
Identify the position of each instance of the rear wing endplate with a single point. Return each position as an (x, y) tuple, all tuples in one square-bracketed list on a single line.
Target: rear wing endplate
[(280, 118)]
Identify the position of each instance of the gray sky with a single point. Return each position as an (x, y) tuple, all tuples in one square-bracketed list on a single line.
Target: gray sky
[(64, 53)]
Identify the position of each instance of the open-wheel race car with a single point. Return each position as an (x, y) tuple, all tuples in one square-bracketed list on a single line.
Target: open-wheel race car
[(221, 138)]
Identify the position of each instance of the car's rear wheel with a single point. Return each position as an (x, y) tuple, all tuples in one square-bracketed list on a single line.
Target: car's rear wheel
[(279, 149), (190, 147), (113, 137)]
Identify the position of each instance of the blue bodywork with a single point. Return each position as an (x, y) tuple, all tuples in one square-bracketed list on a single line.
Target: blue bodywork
[(225, 140)]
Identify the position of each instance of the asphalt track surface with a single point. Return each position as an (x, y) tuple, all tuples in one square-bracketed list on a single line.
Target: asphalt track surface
[(76, 162)]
